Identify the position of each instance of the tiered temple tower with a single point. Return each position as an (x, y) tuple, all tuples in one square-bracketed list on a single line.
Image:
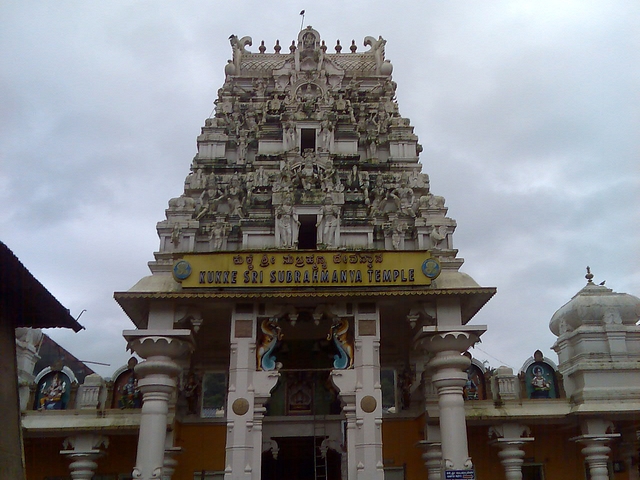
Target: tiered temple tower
[(307, 271)]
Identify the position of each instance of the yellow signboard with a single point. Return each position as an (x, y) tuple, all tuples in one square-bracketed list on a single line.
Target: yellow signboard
[(306, 269)]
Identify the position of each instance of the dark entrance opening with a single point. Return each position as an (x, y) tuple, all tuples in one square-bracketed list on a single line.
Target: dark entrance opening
[(307, 139), (300, 459), (307, 236)]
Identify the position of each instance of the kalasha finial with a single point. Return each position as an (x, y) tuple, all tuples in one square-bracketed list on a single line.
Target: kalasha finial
[(353, 46), (589, 275), (292, 48), (277, 47), (262, 48), (338, 46)]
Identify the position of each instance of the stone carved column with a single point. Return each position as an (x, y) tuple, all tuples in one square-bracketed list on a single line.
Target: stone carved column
[(596, 450), (170, 462), (449, 377), (361, 395), (249, 389), (510, 440), (83, 450), (433, 460), (433, 452), (596, 453), (345, 382), (157, 382)]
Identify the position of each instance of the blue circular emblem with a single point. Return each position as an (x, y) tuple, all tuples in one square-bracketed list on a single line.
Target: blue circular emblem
[(431, 268), (181, 270)]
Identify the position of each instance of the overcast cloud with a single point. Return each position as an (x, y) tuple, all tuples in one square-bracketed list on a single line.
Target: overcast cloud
[(527, 111)]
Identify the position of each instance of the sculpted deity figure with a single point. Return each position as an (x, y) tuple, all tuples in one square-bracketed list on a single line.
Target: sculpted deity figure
[(283, 181), (289, 137), (209, 198), (438, 236), (379, 196), (259, 87), (191, 392), (341, 103), (330, 181), (261, 178), (195, 180), (324, 137), (405, 198), (218, 233), (242, 143), (419, 180), (234, 196), (176, 234), (541, 387), (51, 395), (397, 230), (274, 104), (372, 145), (182, 203), (288, 225), (328, 221), (306, 175)]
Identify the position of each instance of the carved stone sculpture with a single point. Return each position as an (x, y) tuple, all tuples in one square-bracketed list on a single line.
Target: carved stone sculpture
[(327, 225)]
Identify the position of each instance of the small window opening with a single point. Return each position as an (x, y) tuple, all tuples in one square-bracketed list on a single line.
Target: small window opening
[(307, 236), (307, 139)]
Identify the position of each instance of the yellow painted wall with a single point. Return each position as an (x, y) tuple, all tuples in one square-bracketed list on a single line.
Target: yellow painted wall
[(203, 448), (399, 446), (562, 458), (552, 447), (43, 459)]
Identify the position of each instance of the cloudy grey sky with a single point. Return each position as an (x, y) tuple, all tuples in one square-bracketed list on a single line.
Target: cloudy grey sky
[(528, 112)]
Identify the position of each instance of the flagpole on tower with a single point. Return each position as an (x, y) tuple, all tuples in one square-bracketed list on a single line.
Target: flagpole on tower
[(301, 21)]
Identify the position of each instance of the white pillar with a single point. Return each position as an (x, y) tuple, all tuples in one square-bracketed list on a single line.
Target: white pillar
[(596, 453), (449, 377), (83, 450), (433, 451), (345, 382), (368, 394), (157, 381), (509, 437), (361, 395), (170, 461), (596, 450), (248, 390), (433, 461)]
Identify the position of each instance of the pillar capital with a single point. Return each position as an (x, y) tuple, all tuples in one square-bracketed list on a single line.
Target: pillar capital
[(449, 376), (510, 438), (459, 338), (83, 450), (159, 343), (432, 456), (596, 453), (157, 381)]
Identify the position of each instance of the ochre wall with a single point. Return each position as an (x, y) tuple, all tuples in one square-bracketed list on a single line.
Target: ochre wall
[(562, 457), (43, 459), (400, 439), (203, 448)]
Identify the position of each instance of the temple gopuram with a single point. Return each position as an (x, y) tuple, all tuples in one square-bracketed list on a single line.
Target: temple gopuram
[(306, 316)]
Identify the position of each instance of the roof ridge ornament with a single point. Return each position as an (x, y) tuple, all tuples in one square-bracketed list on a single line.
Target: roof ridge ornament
[(589, 275)]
